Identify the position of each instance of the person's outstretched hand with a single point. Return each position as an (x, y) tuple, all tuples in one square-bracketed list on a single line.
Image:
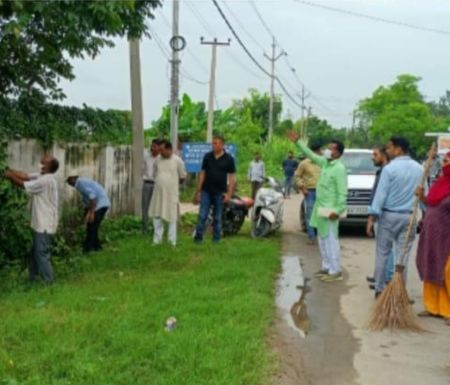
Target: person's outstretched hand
[(293, 136)]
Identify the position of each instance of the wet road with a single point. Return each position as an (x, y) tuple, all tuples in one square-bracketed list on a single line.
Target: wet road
[(321, 335)]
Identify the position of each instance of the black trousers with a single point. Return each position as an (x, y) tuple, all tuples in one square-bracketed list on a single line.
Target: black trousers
[(92, 242)]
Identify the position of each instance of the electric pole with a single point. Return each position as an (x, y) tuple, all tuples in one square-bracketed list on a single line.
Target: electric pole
[(174, 90), (272, 59), (138, 125), (308, 115), (212, 83), (303, 96)]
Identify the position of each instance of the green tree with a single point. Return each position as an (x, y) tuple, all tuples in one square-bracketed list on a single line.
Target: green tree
[(38, 38), (284, 127), (398, 109), (320, 131), (441, 112), (191, 122), (258, 105)]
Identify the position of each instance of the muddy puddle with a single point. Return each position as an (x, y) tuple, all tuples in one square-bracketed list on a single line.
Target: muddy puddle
[(291, 293)]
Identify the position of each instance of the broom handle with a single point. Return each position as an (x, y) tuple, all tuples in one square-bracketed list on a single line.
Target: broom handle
[(412, 218)]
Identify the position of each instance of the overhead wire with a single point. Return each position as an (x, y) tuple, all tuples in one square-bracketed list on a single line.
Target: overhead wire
[(261, 19), (166, 53), (242, 25), (374, 18), (189, 51), (250, 55), (287, 61), (208, 29)]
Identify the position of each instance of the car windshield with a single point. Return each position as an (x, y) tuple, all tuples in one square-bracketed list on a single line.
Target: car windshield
[(359, 163)]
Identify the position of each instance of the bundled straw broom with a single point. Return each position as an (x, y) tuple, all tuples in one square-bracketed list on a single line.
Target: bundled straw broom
[(393, 309)]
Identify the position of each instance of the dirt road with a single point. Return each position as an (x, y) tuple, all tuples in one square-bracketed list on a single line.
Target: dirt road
[(322, 338)]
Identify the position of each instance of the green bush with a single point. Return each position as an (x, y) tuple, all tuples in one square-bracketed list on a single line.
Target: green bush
[(33, 117), (15, 233)]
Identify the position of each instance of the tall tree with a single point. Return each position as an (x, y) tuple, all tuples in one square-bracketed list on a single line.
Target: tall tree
[(258, 105), (320, 131), (398, 109), (38, 38)]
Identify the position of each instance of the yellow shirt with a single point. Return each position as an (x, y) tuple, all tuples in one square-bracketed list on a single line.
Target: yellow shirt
[(307, 174)]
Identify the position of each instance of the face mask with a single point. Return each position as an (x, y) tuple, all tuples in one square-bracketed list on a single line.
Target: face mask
[(327, 154)]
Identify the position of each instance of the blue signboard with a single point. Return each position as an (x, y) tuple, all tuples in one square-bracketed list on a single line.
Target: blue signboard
[(193, 154)]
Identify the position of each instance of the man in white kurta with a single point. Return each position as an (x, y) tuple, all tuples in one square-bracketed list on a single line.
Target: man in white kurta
[(169, 171)]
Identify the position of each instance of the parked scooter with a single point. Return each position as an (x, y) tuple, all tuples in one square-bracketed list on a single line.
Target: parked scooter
[(267, 214)]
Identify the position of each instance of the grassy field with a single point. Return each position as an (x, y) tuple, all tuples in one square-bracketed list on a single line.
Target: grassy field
[(106, 325)]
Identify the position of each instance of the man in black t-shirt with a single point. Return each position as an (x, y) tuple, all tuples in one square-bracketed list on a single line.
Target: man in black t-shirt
[(215, 186)]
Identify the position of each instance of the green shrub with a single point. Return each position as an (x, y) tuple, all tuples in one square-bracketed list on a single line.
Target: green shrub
[(15, 232)]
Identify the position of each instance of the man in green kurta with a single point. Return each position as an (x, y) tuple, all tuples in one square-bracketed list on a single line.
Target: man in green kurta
[(330, 205)]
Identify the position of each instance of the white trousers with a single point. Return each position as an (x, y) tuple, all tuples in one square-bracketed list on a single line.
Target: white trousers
[(330, 251), (158, 231)]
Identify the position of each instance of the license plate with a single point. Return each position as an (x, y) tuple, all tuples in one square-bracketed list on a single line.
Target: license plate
[(357, 210)]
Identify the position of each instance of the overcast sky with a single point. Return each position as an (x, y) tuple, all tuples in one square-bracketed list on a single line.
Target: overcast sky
[(340, 58)]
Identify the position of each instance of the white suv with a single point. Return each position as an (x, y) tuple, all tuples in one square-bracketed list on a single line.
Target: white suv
[(361, 177)]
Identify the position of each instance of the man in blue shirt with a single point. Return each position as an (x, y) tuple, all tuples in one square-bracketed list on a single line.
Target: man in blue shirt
[(96, 204), (289, 167), (392, 207)]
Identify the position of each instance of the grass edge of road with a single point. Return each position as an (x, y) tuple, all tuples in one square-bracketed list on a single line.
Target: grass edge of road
[(106, 325)]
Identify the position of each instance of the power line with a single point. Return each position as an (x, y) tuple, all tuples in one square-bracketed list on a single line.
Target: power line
[(189, 51), (286, 58), (250, 55), (375, 18), (242, 25), (199, 17), (209, 30), (261, 19), (189, 77), (166, 53)]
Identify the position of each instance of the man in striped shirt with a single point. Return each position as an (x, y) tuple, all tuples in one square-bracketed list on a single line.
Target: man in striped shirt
[(43, 190)]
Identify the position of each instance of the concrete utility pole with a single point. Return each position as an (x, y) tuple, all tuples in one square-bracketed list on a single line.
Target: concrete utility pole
[(212, 83), (272, 59), (308, 115), (303, 96), (175, 80), (138, 125)]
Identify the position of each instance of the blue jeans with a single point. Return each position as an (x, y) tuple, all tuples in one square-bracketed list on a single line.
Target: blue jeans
[(288, 185), (390, 266), (206, 201), (310, 199), (392, 228)]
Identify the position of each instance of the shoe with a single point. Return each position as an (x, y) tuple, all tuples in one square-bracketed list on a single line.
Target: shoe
[(372, 286), (377, 294), (370, 279), (321, 273), (332, 277)]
